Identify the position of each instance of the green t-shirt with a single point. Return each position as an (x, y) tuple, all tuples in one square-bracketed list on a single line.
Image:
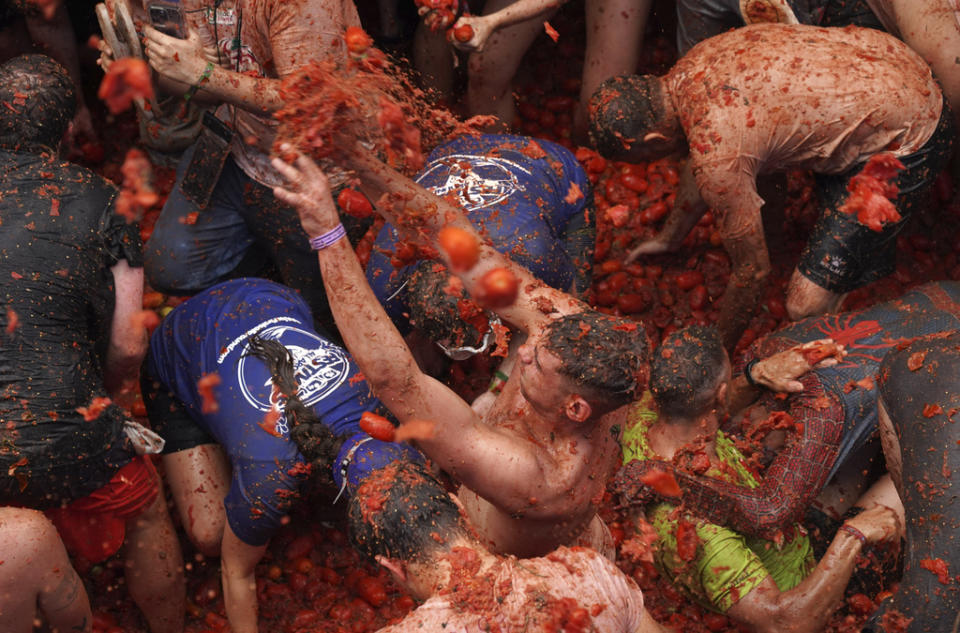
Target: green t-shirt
[(727, 565)]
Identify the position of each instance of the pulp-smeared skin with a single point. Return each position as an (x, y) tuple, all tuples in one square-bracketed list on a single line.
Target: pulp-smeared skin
[(913, 381), (834, 421)]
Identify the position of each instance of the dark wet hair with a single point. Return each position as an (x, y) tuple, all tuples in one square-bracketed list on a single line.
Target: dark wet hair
[(39, 102), (438, 313), (622, 111), (318, 445), (607, 356), (402, 512), (686, 370)]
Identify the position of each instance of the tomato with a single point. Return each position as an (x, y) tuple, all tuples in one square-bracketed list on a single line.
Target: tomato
[(662, 481), (372, 590), (698, 297), (339, 613), (547, 119), (632, 303), (303, 565), (463, 33), (654, 212), (460, 246), (559, 103), (357, 40), (354, 203), (305, 618), (298, 581), (689, 279), (128, 79), (498, 288), (861, 604), (528, 111), (610, 266), (634, 182), (377, 426)]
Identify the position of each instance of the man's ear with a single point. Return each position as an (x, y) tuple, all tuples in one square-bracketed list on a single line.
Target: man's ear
[(577, 409), (394, 567), (720, 396)]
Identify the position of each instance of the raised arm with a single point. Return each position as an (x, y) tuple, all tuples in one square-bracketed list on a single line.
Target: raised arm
[(490, 462), (420, 215), (485, 25)]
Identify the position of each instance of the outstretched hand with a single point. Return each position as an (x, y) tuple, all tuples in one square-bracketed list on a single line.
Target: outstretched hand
[(308, 191), (781, 371), (482, 28)]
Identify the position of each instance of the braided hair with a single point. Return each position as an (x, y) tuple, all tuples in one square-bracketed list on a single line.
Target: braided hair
[(314, 439)]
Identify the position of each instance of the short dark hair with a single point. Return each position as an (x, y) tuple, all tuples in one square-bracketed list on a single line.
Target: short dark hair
[(39, 100), (402, 512), (686, 370), (622, 111), (608, 356), (314, 439), (439, 312)]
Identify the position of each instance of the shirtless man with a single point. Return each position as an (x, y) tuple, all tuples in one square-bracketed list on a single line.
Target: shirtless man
[(417, 532), (771, 97), (534, 468), (832, 414)]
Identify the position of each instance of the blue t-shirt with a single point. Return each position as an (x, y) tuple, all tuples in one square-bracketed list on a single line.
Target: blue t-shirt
[(518, 202), (209, 333)]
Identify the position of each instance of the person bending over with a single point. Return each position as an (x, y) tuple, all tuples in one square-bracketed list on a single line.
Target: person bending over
[(829, 421), (772, 97), (72, 283), (521, 200), (256, 407), (37, 581), (764, 585), (919, 396), (533, 469), (406, 520)]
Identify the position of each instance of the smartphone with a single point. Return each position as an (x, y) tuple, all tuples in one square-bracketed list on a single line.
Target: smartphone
[(168, 19)]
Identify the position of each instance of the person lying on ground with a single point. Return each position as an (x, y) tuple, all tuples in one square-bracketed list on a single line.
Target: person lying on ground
[(37, 581), (73, 282), (919, 396), (255, 407), (772, 97), (825, 425), (533, 469), (762, 584), (406, 520), (537, 208)]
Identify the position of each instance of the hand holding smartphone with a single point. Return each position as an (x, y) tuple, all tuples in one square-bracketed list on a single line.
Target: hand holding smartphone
[(168, 18)]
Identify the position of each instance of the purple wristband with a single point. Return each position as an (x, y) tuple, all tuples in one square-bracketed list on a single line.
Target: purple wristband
[(852, 531), (321, 242)]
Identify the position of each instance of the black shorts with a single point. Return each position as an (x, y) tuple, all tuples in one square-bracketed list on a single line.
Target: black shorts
[(168, 417), (842, 254)]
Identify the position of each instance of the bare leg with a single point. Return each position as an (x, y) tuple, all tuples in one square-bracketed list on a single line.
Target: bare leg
[(154, 568), (614, 36), (805, 298), (198, 480), (490, 71)]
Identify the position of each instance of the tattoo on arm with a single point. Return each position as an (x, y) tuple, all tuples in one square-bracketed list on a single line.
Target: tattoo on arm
[(80, 627), (66, 592)]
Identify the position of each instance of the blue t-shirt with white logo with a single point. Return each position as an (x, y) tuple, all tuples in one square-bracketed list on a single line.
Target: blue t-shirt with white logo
[(515, 198), (209, 333)]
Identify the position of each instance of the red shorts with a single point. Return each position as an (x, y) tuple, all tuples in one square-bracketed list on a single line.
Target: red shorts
[(94, 527)]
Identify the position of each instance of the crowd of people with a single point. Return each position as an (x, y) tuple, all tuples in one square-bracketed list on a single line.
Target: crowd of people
[(765, 483)]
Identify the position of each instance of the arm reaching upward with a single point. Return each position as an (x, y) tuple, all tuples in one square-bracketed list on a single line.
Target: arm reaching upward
[(494, 464)]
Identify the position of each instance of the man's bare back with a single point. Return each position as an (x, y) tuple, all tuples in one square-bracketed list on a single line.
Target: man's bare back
[(772, 97)]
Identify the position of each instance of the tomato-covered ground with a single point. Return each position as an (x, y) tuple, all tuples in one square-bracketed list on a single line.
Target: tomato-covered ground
[(311, 581)]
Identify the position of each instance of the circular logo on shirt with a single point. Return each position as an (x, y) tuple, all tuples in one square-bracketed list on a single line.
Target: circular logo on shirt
[(319, 368), (477, 181)]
